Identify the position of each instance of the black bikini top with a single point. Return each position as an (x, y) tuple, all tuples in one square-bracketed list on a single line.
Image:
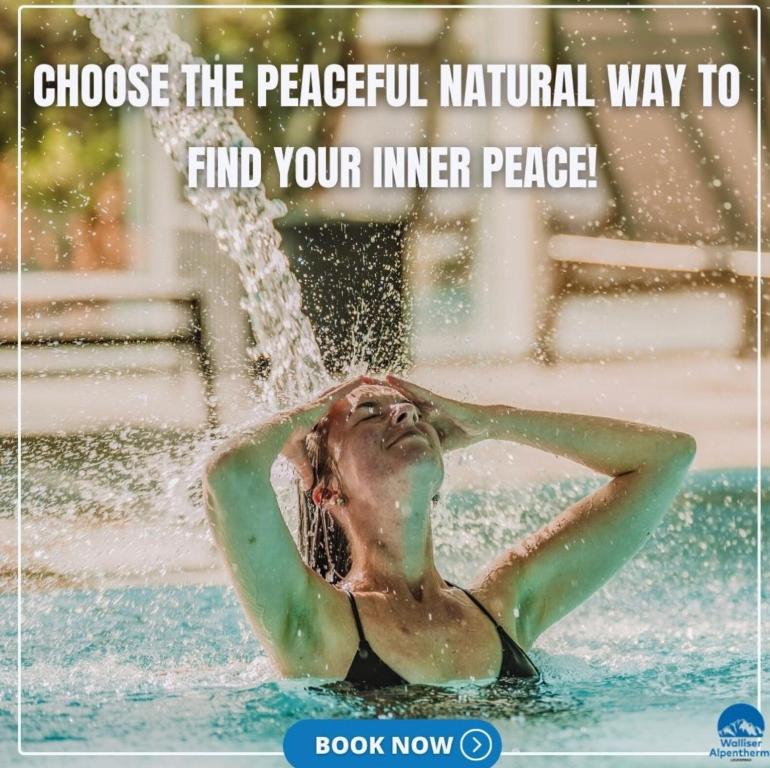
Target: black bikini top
[(369, 670)]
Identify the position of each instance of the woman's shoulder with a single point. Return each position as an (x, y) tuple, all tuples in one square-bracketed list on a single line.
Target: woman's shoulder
[(500, 599)]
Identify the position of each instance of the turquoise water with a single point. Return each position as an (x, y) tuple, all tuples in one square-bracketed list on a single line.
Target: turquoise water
[(646, 664)]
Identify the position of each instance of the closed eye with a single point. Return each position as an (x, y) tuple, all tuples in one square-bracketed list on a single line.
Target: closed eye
[(375, 411)]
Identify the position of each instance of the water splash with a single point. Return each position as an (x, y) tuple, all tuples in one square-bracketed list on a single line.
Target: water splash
[(241, 219), (129, 667)]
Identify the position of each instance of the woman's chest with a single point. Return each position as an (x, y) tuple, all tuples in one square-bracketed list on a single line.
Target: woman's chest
[(436, 645)]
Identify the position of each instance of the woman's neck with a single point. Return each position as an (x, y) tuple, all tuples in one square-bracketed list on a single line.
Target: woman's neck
[(397, 560)]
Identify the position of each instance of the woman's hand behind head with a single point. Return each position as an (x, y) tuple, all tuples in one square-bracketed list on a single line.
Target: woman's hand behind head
[(306, 416), (458, 424)]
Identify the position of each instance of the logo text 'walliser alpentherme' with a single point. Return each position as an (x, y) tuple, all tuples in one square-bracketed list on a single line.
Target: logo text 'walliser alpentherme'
[(740, 729)]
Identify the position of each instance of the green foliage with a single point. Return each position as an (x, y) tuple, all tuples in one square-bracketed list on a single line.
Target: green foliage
[(67, 150)]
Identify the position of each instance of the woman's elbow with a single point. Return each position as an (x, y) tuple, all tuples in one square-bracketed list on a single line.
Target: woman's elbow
[(685, 446), (227, 461), (217, 476), (679, 451), (222, 456)]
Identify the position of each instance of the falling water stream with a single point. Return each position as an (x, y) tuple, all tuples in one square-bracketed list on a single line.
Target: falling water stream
[(241, 219)]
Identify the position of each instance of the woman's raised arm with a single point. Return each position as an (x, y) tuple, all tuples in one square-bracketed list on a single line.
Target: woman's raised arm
[(556, 568), (273, 583)]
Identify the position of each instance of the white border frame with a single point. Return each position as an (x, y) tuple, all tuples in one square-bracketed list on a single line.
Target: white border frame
[(385, 6)]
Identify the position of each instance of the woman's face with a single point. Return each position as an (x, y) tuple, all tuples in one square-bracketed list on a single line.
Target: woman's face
[(381, 448)]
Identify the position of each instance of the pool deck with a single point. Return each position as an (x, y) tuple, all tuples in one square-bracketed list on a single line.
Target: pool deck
[(712, 397)]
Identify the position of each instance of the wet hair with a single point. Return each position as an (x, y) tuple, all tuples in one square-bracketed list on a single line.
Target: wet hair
[(323, 544)]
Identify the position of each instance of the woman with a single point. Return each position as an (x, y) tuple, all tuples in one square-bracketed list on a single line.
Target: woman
[(369, 454)]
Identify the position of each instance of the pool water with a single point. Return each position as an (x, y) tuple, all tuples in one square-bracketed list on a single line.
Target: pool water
[(647, 664)]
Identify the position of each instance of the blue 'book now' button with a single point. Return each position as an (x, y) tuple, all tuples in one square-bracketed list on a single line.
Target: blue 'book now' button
[(361, 743)]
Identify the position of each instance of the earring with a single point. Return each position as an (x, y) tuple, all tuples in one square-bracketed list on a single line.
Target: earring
[(339, 500)]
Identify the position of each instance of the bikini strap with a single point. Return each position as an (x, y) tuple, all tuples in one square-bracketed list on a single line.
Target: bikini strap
[(478, 604), (359, 625)]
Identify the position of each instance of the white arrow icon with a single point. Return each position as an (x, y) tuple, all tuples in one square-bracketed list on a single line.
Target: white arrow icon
[(475, 745)]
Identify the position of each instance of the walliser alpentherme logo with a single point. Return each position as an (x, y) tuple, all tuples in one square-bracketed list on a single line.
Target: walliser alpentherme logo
[(740, 729)]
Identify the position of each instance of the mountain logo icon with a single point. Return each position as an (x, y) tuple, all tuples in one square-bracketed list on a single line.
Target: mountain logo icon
[(741, 721)]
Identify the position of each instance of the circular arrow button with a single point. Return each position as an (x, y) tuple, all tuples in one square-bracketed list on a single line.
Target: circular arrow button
[(476, 744)]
